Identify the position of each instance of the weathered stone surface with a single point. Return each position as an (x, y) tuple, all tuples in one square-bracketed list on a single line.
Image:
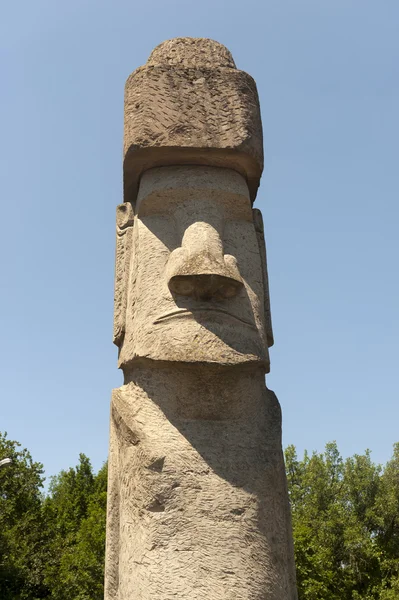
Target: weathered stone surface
[(191, 52), (197, 498), (260, 233), (190, 105), (194, 224), (199, 507), (124, 223)]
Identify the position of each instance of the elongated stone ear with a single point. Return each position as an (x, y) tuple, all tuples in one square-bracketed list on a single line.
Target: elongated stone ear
[(124, 229), (260, 234)]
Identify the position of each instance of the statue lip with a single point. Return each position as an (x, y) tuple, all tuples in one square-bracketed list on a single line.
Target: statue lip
[(185, 312)]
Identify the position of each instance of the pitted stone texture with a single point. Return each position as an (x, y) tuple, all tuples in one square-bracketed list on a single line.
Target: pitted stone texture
[(190, 105), (191, 52), (195, 278), (197, 497), (198, 505), (124, 224)]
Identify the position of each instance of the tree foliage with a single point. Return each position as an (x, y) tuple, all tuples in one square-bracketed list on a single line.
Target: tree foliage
[(51, 546), (20, 524), (74, 513), (345, 516)]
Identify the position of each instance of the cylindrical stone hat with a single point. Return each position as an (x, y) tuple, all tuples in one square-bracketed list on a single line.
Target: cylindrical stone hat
[(190, 105)]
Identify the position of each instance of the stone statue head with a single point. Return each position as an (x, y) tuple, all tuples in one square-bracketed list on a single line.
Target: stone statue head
[(191, 280)]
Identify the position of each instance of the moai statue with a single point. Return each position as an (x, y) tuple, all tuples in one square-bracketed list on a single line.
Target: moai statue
[(197, 503)]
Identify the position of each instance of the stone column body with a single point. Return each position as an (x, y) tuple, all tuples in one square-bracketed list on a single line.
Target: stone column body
[(197, 501)]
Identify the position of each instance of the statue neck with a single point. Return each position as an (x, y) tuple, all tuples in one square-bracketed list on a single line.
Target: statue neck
[(198, 391)]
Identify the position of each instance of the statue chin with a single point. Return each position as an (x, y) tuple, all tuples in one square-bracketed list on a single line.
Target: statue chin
[(203, 339)]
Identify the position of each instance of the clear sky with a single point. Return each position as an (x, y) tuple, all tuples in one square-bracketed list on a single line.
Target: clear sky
[(327, 74)]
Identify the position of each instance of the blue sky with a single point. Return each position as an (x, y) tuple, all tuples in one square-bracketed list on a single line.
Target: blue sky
[(327, 74)]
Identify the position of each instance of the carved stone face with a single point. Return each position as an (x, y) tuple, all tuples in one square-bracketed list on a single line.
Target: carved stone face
[(195, 280)]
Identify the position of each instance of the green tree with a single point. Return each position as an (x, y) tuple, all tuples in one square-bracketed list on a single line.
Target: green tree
[(387, 527), (346, 525), (334, 523), (75, 518), (21, 525)]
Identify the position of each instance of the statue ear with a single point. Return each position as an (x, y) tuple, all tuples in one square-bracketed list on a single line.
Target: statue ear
[(258, 222), (124, 229)]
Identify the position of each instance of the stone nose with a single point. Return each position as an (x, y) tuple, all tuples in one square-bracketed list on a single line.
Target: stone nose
[(200, 269)]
